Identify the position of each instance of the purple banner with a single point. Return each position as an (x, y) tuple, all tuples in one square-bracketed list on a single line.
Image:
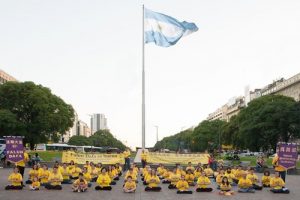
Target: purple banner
[(14, 149), (288, 155)]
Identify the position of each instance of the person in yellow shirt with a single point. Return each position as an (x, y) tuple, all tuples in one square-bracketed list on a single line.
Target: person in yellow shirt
[(129, 186), (231, 177), (254, 179), (166, 176), (266, 178), (219, 178), (153, 181), (238, 173), (208, 171), (203, 183), (75, 171), (94, 173), (198, 172), (65, 172), (245, 185), (277, 184), (190, 167), (115, 173), (71, 165), (112, 175), (54, 180), (131, 173), (144, 158), (126, 155), (119, 169), (278, 168), (183, 186), (225, 187), (103, 181), (32, 173), (174, 178), (80, 185), (86, 176), (190, 178), (44, 175), (147, 174), (35, 185), (87, 165), (180, 171), (21, 164), (15, 178)]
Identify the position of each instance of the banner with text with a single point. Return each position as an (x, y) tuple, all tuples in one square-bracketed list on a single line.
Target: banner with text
[(14, 148), (81, 158), (173, 158), (288, 155)]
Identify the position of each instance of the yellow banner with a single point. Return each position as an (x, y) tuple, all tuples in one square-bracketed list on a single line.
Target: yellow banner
[(173, 158), (81, 158)]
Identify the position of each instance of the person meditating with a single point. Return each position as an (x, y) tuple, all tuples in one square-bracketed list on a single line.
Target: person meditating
[(54, 180), (183, 186), (80, 185), (15, 178), (277, 184), (203, 183), (153, 181), (103, 181)]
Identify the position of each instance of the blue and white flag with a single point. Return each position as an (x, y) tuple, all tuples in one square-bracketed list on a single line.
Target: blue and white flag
[(164, 30)]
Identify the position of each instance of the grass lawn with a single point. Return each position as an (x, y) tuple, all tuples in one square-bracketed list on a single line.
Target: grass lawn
[(47, 156)]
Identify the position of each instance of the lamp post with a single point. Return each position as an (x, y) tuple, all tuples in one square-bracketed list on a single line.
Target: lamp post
[(156, 133)]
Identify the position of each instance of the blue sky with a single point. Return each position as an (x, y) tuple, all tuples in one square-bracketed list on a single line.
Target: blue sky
[(89, 53)]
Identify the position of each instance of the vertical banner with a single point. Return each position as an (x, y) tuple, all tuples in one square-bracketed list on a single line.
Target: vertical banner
[(14, 148), (288, 155)]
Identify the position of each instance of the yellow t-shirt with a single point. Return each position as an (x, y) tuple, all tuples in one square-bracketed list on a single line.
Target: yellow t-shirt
[(244, 183), (132, 174), (36, 184), (219, 179), (126, 154), (276, 183), (94, 172), (130, 185), (225, 187), (33, 173), (144, 156), (103, 180), (189, 178), (15, 179), (203, 182), (278, 167), (209, 172), (44, 175), (88, 167), (87, 176), (22, 162), (75, 171), (266, 180), (152, 181), (253, 178), (65, 172), (238, 174), (174, 178), (182, 185), (190, 168), (230, 177), (55, 179), (77, 182), (197, 173)]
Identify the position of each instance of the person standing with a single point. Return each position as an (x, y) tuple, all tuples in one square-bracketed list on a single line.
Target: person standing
[(279, 168), (144, 157), (22, 163), (127, 154)]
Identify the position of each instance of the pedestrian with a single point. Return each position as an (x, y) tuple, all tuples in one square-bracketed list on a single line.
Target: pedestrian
[(126, 155)]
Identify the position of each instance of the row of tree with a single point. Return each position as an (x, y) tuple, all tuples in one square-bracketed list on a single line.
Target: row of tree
[(264, 122), (102, 138), (32, 111)]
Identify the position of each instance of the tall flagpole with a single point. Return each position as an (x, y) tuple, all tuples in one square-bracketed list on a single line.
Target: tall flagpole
[(143, 83)]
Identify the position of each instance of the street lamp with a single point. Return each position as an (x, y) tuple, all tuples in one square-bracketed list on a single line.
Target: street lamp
[(156, 133)]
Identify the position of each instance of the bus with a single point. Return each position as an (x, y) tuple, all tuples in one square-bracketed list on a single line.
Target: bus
[(89, 149), (55, 147)]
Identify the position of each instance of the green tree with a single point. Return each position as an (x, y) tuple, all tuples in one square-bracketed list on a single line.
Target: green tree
[(79, 140), (103, 138), (206, 135), (40, 115), (266, 121)]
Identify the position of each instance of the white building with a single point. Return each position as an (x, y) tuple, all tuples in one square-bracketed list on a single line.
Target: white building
[(72, 131), (98, 122)]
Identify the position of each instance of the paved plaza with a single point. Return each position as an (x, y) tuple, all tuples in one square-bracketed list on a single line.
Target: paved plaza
[(293, 183)]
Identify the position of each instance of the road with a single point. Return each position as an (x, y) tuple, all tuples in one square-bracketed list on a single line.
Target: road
[(293, 182)]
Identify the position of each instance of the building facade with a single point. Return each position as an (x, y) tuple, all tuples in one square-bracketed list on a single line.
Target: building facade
[(72, 131), (4, 77), (83, 129), (98, 122)]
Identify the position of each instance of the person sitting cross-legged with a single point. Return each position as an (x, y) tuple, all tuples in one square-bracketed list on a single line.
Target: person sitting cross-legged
[(80, 185), (225, 187), (245, 185), (203, 183), (15, 178), (277, 184), (183, 186), (103, 181), (153, 181), (129, 186)]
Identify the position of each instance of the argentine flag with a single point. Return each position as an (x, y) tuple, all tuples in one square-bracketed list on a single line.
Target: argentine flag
[(164, 30)]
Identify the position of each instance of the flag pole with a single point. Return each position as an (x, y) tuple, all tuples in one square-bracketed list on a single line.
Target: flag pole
[(143, 82)]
